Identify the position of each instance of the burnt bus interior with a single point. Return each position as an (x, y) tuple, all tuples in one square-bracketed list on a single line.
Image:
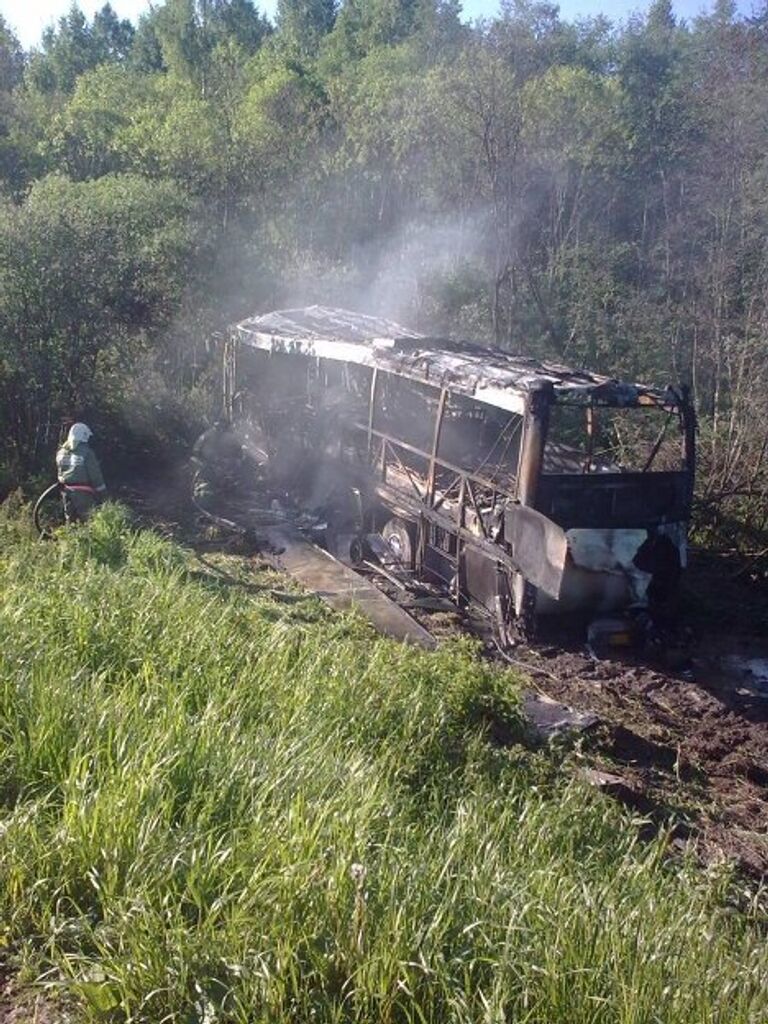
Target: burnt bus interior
[(522, 487)]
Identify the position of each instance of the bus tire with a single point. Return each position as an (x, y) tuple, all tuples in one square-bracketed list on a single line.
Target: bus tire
[(400, 536)]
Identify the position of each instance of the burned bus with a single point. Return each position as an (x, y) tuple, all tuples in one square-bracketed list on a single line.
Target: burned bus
[(522, 487)]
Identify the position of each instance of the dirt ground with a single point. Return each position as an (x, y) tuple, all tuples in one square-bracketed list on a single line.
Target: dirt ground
[(695, 748), (21, 1004), (682, 732)]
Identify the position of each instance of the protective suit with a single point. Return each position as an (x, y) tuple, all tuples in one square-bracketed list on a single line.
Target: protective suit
[(79, 473), (219, 462)]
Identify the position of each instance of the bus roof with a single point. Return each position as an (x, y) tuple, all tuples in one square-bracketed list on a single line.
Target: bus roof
[(489, 375)]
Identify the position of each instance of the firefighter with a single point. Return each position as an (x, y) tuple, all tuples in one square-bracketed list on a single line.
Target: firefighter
[(79, 474), (218, 460)]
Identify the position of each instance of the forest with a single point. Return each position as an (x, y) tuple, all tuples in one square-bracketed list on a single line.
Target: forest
[(588, 191), (221, 802)]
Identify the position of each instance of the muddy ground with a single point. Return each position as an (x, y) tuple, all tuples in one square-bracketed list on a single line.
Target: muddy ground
[(692, 747), (682, 733)]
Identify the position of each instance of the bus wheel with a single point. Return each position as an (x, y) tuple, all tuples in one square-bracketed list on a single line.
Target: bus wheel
[(400, 536)]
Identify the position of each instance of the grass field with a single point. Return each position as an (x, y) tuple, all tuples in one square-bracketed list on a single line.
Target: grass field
[(220, 802)]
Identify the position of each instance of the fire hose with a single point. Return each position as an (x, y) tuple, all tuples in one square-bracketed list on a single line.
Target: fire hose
[(55, 488)]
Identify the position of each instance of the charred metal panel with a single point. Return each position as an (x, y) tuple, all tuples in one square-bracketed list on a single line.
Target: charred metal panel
[(538, 546), (487, 583), (534, 439), (438, 567), (442, 540), (341, 587), (601, 574)]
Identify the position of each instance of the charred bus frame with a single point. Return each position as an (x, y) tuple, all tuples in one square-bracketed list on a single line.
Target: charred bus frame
[(528, 524)]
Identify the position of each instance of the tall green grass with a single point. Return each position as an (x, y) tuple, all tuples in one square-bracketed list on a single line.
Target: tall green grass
[(223, 804)]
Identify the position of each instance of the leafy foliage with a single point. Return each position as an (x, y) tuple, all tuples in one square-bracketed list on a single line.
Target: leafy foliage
[(89, 273), (602, 191)]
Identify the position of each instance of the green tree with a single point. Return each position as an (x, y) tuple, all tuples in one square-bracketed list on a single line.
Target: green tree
[(147, 50), (303, 23), (476, 122), (189, 31), (655, 113), (11, 58), (12, 160), (112, 37), (365, 25), (75, 46), (90, 273), (531, 37), (574, 145), (280, 125), (182, 30), (67, 51), (384, 112), (90, 135), (239, 22)]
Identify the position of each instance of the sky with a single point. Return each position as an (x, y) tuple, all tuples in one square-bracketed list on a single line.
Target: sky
[(30, 17)]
